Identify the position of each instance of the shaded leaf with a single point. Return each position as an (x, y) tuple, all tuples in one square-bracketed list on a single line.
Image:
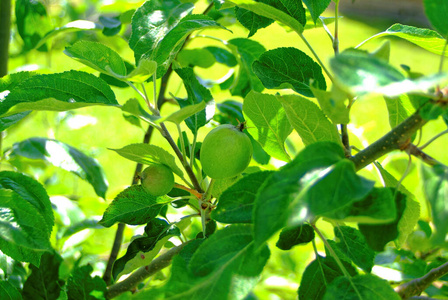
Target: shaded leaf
[(267, 123), (436, 11), (58, 92), (333, 104), (81, 286), (8, 291), (289, 68), (133, 206), (66, 157), (11, 120), (308, 120), (222, 56), (316, 7), (235, 204), (290, 237), (199, 57)]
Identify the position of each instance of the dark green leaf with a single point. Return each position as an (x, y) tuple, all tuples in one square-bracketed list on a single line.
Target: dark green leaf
[(58, 92), (44, 282), (378, 235), (353, 244), (316, 7), (290, 237), (233, 111), (247, 51), (73, 160), (275, 201), (111, 25), (81, 286), (222, 56), (197, 93), (225, 266), (97, 56), (436, 192), (8, 291), (32, 22), (267, 123), (368, 287), (141, 251), (289, 68), (133, 206), (251, 20), (377, 208), (308, 120), (152, 21), (8, 121), (235, 204), (148, 155), (436, 11), (319, 274)]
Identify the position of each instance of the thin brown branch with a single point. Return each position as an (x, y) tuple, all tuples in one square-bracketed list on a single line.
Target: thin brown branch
[(345, 140), (417, 152), (141, 274), (416, 286), (5, 35)]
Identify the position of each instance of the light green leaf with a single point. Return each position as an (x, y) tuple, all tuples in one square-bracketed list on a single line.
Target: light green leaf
[(133, 206), (148, 155), (8, 121), (399, 108), (133, 107), (199, 57), (269, 12), (333, 104), (267, 123), (436, 11), (289, 68), (427, 39), (235, 204), (368, 287), (66, 157), (184, 113), (97, 56), (144, 70), (308, 120), (58, 92)]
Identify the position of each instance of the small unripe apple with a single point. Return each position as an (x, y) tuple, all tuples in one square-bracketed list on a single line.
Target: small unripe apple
[(226, 151), (157, 180)]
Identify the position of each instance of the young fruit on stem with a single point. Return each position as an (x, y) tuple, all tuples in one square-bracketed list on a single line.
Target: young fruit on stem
[(226, 151), (157, 180)]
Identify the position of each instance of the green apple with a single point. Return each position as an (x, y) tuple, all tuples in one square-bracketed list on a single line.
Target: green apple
[(157, 179)]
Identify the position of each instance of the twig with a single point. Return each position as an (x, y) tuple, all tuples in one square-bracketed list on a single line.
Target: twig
[(416, 286), (142, 273), (433, 139), (417, 152), (5, 34)]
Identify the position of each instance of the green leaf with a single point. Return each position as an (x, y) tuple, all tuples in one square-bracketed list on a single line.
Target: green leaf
[(279, 15), (333, 104), (436, 192), (427, 39), (247, 51), (319, 274), (79, 226), (32, 22), (152, 21), (142, 250), (361, 73), (267, 123), (199, 57), (308, 120), (148, 155), (368, 287), (112, 25), (378, 235), (133, 107), (377, 208), (316, 7), (275, 201), (289, 68), (10, 81), (290, 237), (411, 212), (222, 56), (197, 93), (133, 206), (399, 108), (82, 286), (97, 56), (44, 282), (66, 157), (58, 92), (353, 244), (224, 266), (436, 11), (8, 291), (25, 236), (11, 120), (235, 204), (251, 20), (144, 70), (74, 26)]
